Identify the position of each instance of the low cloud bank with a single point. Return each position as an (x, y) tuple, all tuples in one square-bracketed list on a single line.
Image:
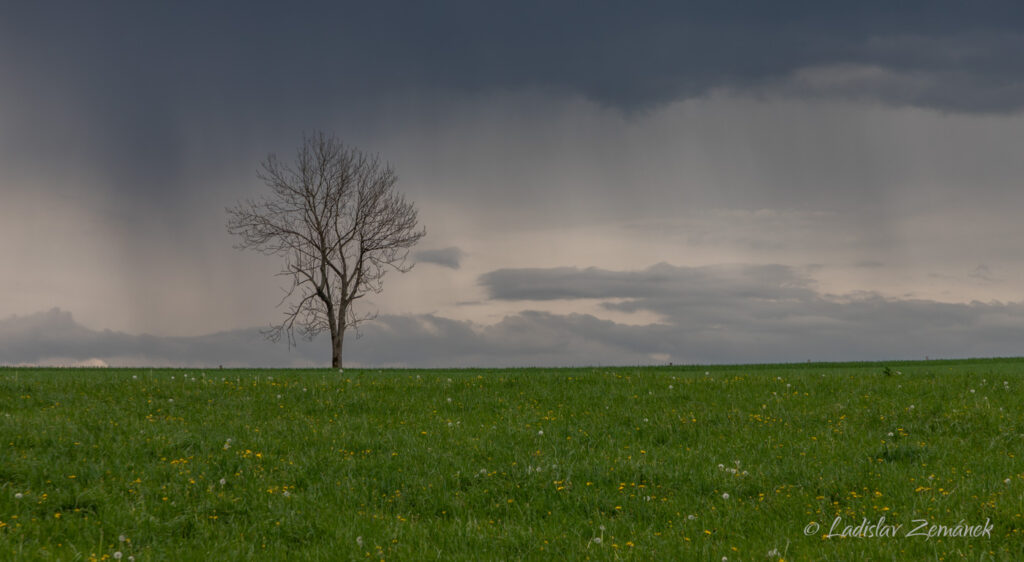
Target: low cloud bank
[(733, 314)]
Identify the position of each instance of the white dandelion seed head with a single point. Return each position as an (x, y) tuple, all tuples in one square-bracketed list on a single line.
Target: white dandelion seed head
[(773, 553), (118, 555), (136, 377), (725, 495), (890, 434), (449, 400), (541, 432), (911, 406), (597, 540), (972, 391), (359, 541), (691, 517), (121, 538), (721, 466), (670, 387), (1007, 481), (223, 481), (18, 496), (286, 493)]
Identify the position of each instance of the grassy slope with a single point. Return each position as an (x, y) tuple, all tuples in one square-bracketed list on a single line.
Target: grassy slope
[(510, 464)]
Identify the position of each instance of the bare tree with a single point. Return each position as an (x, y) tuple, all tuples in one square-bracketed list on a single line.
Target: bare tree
[(335, 217)]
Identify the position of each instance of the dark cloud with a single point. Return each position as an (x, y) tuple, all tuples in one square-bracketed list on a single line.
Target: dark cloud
[(743, 314), (685, 285), (134, 61), (54, 337), (450, 257)]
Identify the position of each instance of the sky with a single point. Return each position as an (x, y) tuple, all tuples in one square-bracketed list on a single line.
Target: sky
[(601, 183)]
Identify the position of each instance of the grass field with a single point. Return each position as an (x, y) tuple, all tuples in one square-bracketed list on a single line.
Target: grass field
[(659, 463)]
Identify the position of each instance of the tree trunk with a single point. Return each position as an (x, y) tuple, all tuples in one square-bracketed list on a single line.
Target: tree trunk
[(337, 322), (337, 343)]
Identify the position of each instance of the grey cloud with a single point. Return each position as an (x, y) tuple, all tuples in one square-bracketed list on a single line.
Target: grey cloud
[(772, 313), (450, 257), (54, 337), (680, 284), (628, 55), (741, 314)]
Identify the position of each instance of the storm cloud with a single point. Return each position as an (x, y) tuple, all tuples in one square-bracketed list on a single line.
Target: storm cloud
[(628, 55), (826, 181)]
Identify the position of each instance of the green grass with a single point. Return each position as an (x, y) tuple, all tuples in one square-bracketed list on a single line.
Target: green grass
[(598, 463)]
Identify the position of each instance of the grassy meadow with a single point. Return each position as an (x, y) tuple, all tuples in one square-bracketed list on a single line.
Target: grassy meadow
[(653, 463)]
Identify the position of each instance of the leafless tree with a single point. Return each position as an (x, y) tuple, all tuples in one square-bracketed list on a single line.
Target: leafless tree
[(335, 217)]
